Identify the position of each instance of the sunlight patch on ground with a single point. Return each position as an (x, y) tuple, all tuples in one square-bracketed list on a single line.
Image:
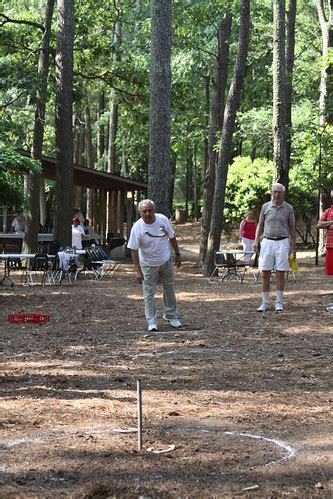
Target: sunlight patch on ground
[(298, 329), (47, 364), (134, 297), (194, 297)]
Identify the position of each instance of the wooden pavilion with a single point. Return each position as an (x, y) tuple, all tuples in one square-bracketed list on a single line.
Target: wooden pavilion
[(113, 196)]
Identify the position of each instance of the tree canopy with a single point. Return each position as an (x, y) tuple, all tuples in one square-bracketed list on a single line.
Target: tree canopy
[(13, 167), (123, 80)]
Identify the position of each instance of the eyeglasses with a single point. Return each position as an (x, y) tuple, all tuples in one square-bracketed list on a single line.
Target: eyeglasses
[(147, 211)]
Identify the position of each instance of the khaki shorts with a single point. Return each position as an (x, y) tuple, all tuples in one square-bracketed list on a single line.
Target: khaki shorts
[(274, 254)]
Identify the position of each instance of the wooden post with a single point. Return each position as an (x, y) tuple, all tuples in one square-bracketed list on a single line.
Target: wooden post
[(129, 214), (95, 220), (103, 214), (113, 212), (139, 412)]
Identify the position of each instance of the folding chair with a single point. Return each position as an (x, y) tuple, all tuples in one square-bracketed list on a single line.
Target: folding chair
[(53, 247), (91, 267), (12, 265), (233, 268), (220, 262), (37, 272), (106, 267), (54, 273), (68, 266)]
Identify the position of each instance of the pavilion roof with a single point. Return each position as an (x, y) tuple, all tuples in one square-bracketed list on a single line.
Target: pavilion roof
[(91, 178)]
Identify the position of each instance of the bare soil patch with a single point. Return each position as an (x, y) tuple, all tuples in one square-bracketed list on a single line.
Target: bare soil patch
[(243, 396)]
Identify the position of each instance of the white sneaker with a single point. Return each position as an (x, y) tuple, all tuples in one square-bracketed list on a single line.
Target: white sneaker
[(152, 327), (173, 322), (263, 307), (278, 307)]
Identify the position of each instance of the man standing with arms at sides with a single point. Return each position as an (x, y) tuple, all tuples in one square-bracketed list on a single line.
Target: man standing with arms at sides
[(149, 243), (277, 225)]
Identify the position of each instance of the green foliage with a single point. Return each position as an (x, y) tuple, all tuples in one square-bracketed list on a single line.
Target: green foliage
[(13, 166), (255, 129), (248, 187)]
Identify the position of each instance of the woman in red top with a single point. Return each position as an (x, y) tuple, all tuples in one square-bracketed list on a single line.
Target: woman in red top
[(326, 222), (247, 232)]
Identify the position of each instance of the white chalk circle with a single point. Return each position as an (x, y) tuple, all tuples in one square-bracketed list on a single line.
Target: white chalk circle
[(61, 434), (289, 451)]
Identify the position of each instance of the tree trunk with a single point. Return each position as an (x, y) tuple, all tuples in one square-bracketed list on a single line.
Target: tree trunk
[(173, 164), (113, 120), (279, 93), (101, 128), (90, 160), (113, 123), (110, 145), (42, 202), (189, 181), (63, 123), (326, 80), (325, 100), (77, 157), (290, 58), (215, 124), (124, 158), (197, 184), (329, 99), (33, 180), (253, 150), (232, 106), (160, 105)]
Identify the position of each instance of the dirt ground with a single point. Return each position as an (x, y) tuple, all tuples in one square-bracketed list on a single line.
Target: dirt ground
[(243, 397)]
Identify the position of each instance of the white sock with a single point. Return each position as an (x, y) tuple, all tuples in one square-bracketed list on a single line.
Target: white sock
[(279, 296), (265, 296)]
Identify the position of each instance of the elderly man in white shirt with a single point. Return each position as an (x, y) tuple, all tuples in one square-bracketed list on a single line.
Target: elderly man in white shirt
[(277, 228), (149, 242)]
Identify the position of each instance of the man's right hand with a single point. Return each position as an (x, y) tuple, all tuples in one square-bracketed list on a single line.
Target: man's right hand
[(139, 277)]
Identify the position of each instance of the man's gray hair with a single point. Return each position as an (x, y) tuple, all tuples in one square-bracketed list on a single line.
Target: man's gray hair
[(278, 187), (146, 201)]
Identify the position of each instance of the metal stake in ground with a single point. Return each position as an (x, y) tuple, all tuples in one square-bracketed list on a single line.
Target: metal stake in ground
[(139, 412)]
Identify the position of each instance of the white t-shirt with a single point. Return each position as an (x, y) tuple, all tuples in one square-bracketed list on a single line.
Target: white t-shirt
[(77, 236), (18, 224), (152, 240)]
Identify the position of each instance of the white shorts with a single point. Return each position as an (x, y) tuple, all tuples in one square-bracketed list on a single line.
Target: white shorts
[(274, 254)]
